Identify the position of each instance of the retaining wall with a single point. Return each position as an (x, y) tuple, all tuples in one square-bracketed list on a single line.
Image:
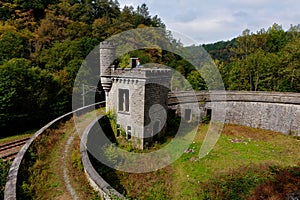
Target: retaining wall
[(279, 112), (96, 181)]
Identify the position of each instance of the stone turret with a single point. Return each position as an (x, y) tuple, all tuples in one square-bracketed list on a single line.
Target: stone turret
[(107, 58)]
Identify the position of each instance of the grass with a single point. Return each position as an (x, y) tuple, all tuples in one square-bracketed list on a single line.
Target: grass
[(42, 173), (245, 163), (240, 162), (17, 137), (238, 149)]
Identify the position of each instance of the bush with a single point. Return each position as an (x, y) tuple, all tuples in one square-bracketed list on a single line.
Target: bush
[(4, 167), (236, 185)]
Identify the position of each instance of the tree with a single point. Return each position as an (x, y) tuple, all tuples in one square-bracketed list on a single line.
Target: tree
[(290, 72), (13, 44), (43, 44), (38, 6), (276, 38), (196, 81), (27, 95), (7, 9), (58, 57), (142, 15)]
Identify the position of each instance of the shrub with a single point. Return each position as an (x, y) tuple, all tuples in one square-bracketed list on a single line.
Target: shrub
[(4, 169)]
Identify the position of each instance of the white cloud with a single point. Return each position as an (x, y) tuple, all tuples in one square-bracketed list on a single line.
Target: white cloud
[(213, 20)]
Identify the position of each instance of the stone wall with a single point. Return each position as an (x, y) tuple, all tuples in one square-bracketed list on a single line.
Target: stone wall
[(278, 112), (10, 192), (96, 181), (156, 106), (134, 117)]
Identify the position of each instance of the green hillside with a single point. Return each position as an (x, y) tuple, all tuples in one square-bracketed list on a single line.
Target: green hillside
[(268, 60)]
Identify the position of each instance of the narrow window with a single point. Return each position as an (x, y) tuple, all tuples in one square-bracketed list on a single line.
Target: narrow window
[(118, 130), (209, 114), (128, 132), (123, 100), (188, 114)]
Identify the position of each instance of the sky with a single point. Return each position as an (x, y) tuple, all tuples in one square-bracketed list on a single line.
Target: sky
[(208, 21)]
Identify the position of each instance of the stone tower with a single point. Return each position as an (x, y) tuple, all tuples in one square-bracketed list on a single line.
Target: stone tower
[(137, 96), (107, 58)]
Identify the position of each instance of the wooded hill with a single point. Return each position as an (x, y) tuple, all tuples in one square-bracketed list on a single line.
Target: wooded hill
[(43, 44), (268, 60)]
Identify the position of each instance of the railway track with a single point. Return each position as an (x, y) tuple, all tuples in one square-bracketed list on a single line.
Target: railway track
[(9, 150)]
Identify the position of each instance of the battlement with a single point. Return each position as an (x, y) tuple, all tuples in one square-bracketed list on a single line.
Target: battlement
[(136, 73), (107, 45)]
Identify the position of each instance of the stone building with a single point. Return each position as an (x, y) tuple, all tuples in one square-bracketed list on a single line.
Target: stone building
[(138, 97)]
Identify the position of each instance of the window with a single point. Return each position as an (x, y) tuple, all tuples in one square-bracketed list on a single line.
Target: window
[(118, 130), (123, 100), (188, 114), (128, 132), (209, 114)]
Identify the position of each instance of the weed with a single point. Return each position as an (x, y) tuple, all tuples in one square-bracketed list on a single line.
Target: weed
[(76, 160), (4, 169), (284, 181)]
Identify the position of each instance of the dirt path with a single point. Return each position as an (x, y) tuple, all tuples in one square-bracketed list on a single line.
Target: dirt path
[(66, 176), (57, 172)]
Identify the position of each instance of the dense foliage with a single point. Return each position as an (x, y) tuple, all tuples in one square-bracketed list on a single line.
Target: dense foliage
[(43, 44), (263, 61)]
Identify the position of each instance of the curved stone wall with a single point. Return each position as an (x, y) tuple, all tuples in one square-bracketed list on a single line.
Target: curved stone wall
[(96, 181), (278, 112), (10, 192)]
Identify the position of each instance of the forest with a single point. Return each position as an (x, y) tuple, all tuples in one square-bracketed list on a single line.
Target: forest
[(44, 42), (268, 60)]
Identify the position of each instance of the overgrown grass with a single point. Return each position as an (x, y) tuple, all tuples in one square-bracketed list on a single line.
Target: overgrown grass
[(241, 154), (245, 163), (4, 169), (77, 174), (238, 164), (42, 170), (284, 184)]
